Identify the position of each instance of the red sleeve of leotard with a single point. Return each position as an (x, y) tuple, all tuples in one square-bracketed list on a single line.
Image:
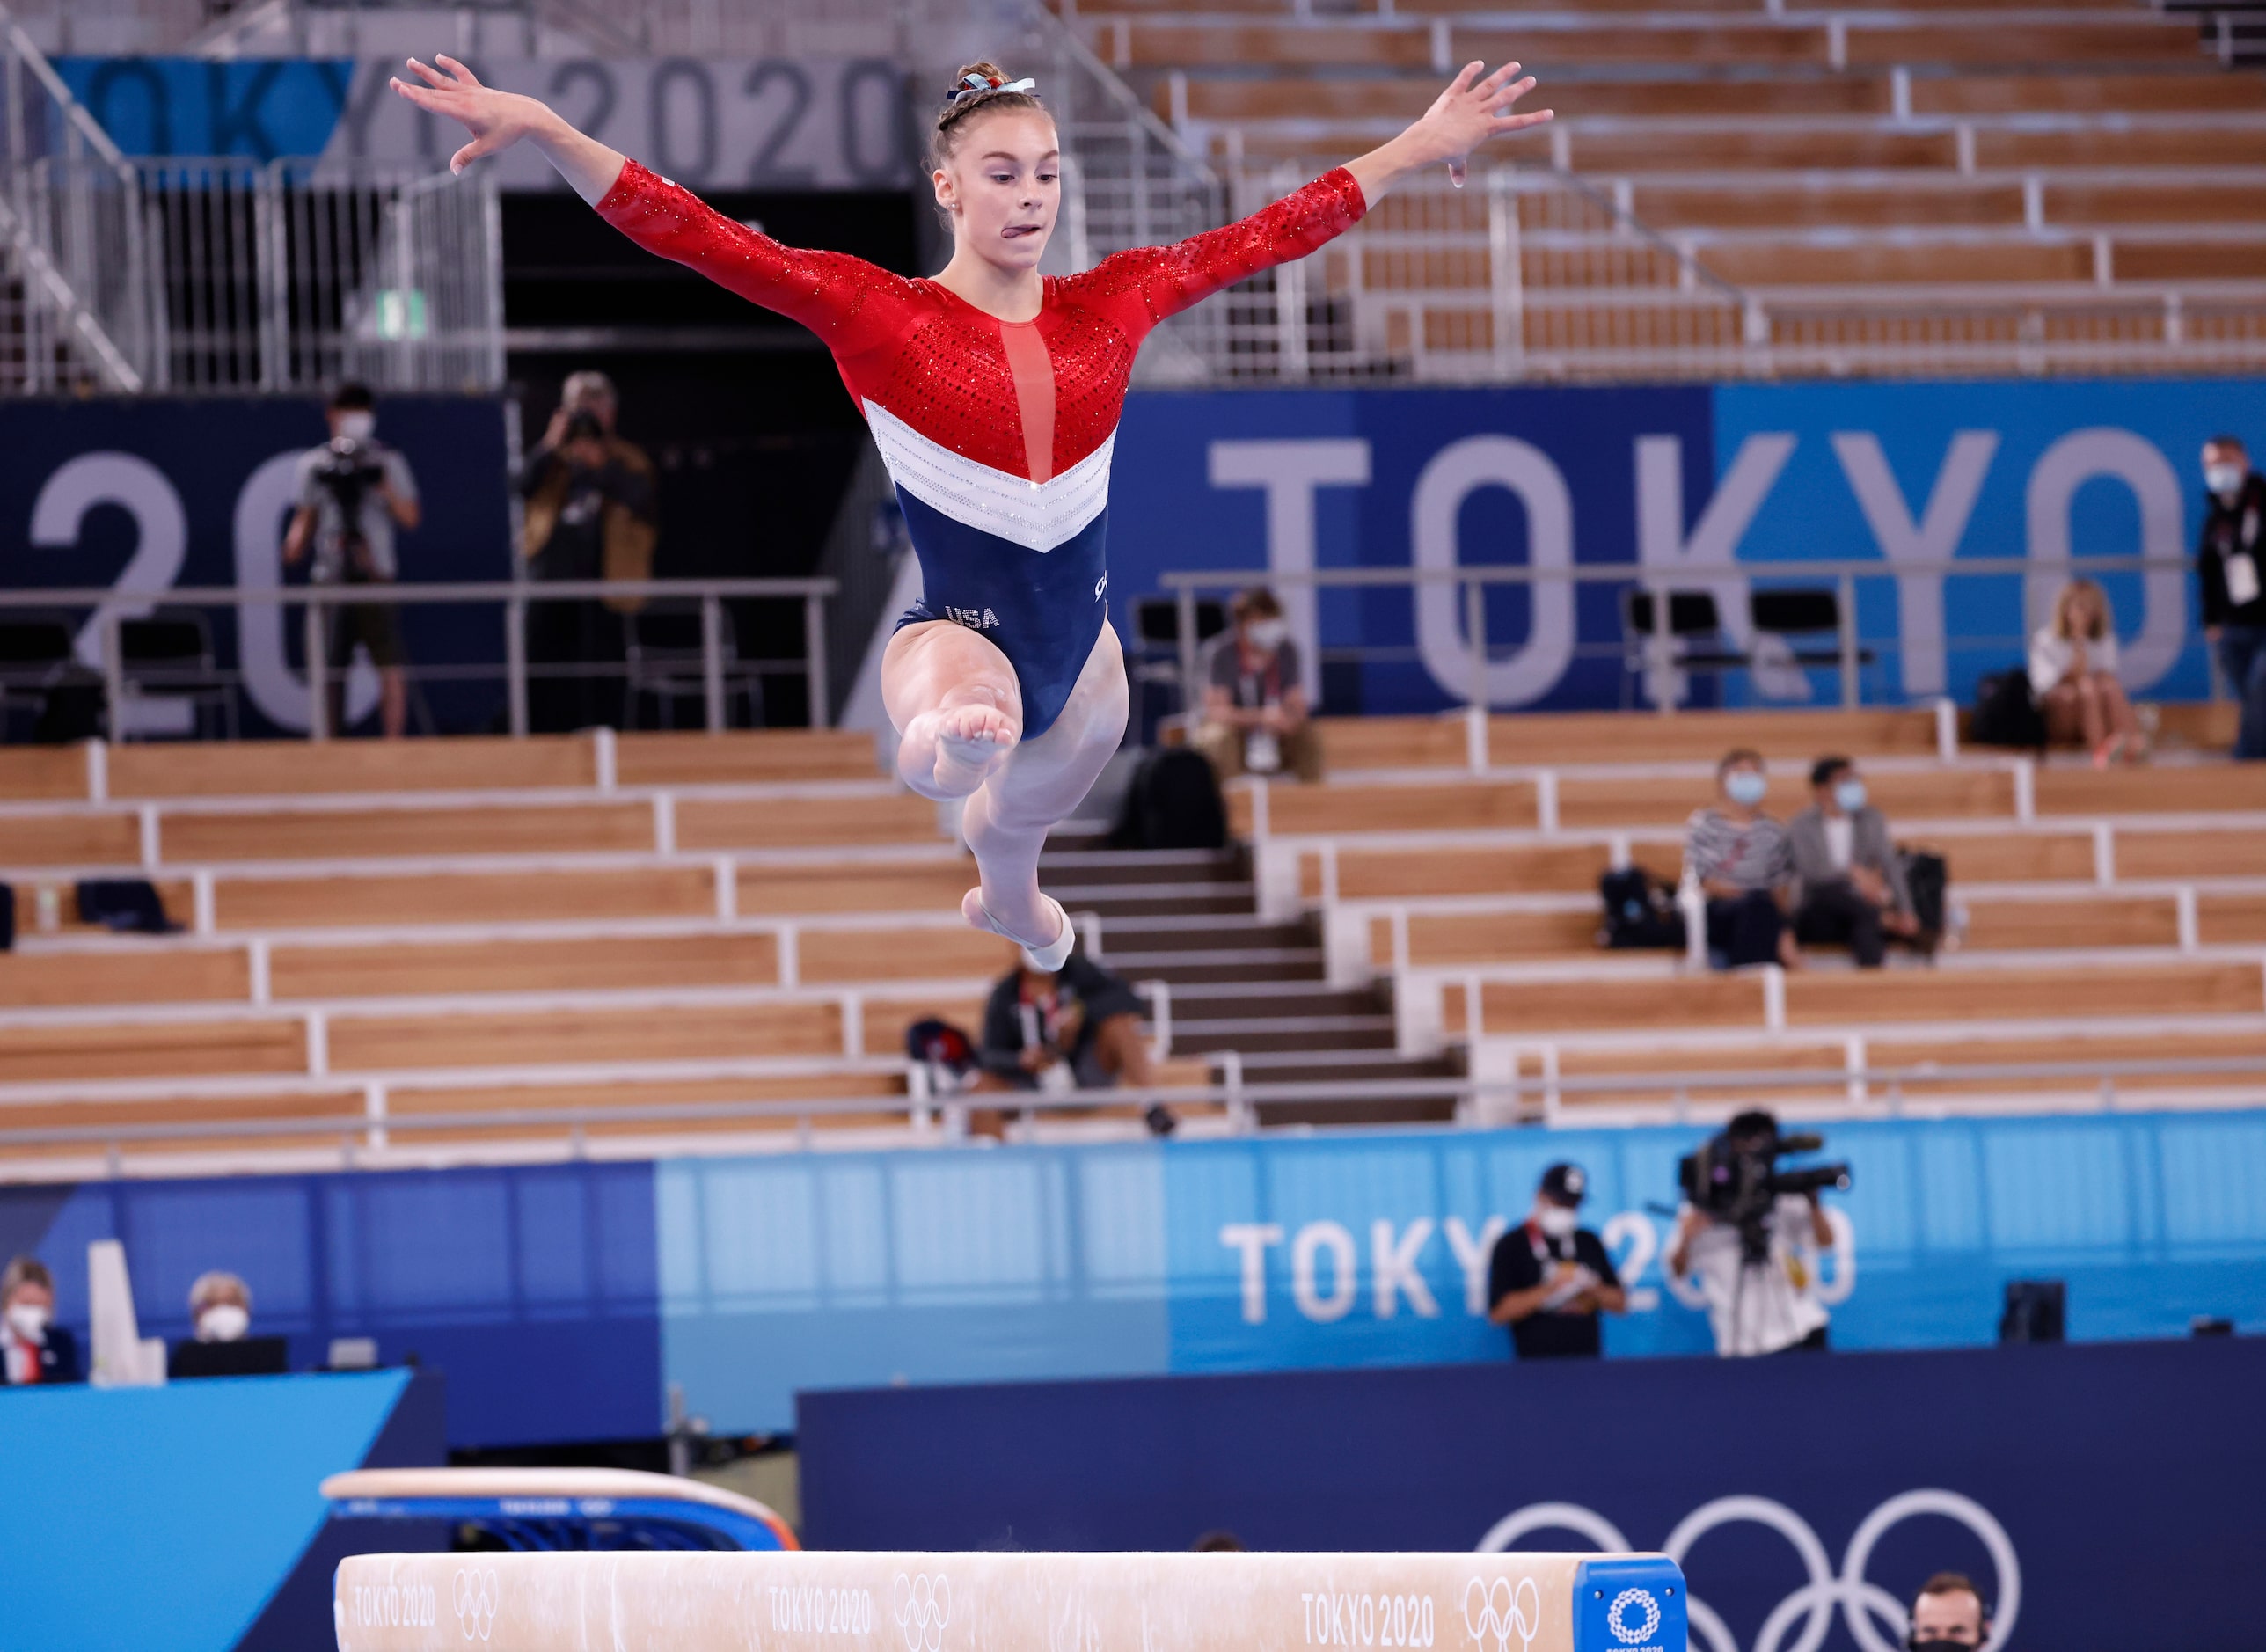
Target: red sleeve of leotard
[(1167, 280), (841, 298)]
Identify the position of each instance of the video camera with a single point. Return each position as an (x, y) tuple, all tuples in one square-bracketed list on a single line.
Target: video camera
[(350, 470), (1735, 1177)]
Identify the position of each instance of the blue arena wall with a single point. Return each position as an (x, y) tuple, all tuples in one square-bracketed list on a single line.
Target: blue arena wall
[(561, 1300), (188, 1518), (2119, 1483), (1717, 482)]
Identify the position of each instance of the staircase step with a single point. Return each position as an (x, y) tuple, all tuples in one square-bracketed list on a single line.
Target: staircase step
[(1114, 900), (1142, 866), (1283, 1032), (1259, 964), (1362, 1110), (1196, 932), (1244, 1000), (1305, 1066)]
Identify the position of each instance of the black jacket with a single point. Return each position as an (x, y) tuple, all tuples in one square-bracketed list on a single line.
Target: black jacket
[(58, 1359), (1082, 982), (2228, 530)]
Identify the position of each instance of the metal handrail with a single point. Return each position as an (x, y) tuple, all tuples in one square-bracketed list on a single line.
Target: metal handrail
[(112, 605), (1239, 1098), (1661, 581)]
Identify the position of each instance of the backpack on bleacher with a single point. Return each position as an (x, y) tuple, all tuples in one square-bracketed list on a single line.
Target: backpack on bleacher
[(1928, 876), (2006, 713), (1173, 803), (1640, 911)]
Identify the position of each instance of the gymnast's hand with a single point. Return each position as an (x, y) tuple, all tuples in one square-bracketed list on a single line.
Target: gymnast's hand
[(1468, 114), (498, 120)]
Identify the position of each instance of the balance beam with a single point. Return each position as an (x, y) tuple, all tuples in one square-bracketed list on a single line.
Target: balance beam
[(844, 1602)]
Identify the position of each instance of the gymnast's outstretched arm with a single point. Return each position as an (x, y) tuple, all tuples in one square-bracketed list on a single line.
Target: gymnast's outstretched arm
[(498, 120)]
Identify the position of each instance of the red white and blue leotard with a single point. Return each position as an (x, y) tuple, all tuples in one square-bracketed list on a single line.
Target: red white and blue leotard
[(997, 433)]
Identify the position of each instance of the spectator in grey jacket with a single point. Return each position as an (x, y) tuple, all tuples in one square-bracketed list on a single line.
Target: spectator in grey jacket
[(1849, 882)]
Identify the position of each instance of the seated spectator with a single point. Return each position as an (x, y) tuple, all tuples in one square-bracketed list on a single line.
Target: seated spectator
[(33, 1349), (1738, 856), (220, 1307), (1849, 882), (1080, 1028), (1256, 717), (2074, 674)]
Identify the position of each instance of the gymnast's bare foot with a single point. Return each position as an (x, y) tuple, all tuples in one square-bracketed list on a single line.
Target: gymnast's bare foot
[(949, 752)]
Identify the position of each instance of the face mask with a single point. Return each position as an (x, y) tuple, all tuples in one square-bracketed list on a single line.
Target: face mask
[(357, 427), (1557, 1220), (1745, 787), (224, 1322), (1942, 1646), (1268, 633), (28, 1321), (2226, 480), (1850, 794)]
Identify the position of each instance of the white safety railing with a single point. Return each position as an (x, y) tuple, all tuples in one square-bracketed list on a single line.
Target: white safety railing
[(361, 1126), (229, 275), (98, 618), (1715, 619)]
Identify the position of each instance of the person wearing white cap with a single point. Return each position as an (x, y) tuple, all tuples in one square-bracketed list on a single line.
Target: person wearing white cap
[(1550, 1277)]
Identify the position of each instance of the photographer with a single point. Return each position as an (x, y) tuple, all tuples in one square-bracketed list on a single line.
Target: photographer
[(589, 515), (353, 492), (1549, 1279), (1752, 1233)]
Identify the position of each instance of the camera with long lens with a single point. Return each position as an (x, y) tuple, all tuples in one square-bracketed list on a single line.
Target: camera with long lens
[(350, 472), (1736, 1179)]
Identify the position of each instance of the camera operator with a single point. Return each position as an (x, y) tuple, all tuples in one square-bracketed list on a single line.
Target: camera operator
[(1550, 1277), (1752, 1233), (353, 492)]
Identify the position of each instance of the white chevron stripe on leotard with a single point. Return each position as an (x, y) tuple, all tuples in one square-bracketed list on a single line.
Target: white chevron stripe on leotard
[(1037, 516)]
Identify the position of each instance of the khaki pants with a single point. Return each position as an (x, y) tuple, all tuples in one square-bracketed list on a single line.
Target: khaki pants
[(1302, 749)]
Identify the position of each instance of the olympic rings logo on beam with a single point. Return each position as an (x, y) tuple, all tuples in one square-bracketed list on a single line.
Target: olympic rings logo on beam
[(924, 1606), (1496, 1612), (1860, 1600), (476, 1595)]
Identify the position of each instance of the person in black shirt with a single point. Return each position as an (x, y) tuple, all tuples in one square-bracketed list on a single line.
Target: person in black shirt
[(1550, 1277), (2231, 569)]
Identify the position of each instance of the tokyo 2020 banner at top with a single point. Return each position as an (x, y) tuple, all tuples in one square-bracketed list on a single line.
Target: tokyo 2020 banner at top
[(712, 123)]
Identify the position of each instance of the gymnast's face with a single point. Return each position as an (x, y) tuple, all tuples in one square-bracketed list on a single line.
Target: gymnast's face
[(1002, 185)]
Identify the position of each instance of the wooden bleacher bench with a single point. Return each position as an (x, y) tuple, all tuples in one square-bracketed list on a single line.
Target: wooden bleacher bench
[(1820, 998), (406, 1041), (393, 833), (249, 901), (627, 963)]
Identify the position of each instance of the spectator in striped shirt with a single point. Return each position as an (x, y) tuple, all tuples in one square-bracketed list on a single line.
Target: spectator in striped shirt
[(1740, 859)]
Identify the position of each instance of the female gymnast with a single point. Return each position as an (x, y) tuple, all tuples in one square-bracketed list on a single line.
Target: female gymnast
[(993, 394)]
